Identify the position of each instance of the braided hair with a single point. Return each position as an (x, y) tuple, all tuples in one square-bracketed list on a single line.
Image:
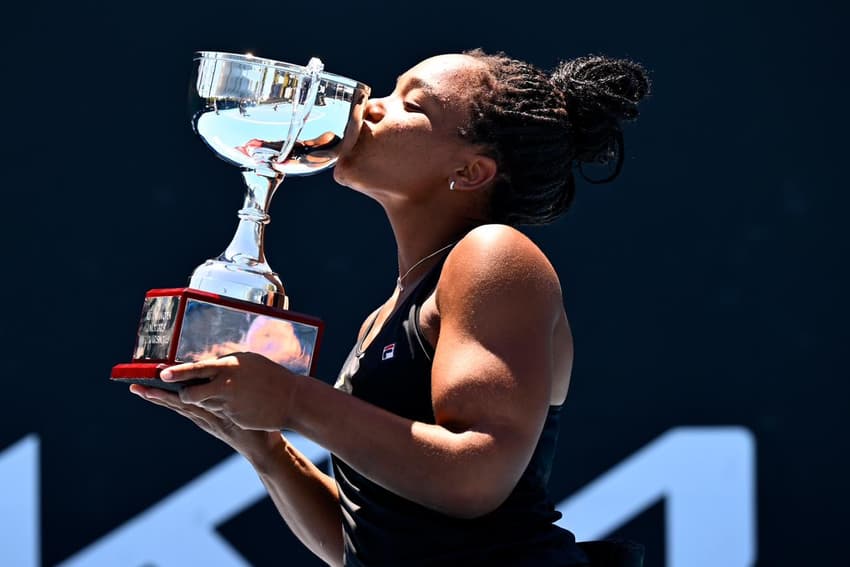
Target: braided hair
[(540, 128)]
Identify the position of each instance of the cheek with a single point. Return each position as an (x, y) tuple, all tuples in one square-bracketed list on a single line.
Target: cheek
[(390, 156)]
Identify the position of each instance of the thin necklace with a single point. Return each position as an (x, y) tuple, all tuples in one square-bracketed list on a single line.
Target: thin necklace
[(398, 283)]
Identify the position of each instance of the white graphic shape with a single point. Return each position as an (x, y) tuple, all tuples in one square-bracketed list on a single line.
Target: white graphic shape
[(20, 524), (706, 475), (181, 529)]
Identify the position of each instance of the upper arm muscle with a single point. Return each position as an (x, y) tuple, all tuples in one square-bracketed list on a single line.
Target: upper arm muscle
[(492, 375)]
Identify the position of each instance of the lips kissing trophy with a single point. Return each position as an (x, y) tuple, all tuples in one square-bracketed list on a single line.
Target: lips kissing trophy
[(270, 119)]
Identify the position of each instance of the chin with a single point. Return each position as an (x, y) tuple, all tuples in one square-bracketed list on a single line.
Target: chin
[(346, 172), (343, 175)]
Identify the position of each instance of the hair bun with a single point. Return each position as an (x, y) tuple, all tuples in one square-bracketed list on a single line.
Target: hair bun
[(601, 93)]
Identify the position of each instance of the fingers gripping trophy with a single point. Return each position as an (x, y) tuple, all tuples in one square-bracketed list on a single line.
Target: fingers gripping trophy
[(270, 119)]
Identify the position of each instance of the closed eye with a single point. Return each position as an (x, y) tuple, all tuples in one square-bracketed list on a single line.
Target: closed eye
[(412, 107)]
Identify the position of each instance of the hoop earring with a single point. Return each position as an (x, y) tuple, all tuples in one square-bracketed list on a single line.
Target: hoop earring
[(451, 185)]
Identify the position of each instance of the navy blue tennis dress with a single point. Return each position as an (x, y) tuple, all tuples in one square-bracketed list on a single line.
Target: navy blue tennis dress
[(384, 529)]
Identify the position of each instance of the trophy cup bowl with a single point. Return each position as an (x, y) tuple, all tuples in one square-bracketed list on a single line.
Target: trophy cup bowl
[(271, 119)]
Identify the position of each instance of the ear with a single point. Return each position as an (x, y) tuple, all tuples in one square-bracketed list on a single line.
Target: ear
[(477, 174)]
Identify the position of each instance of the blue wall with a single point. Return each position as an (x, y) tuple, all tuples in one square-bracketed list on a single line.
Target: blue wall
[(703, 287)]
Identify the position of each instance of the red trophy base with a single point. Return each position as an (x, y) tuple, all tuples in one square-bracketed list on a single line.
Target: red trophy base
[(185, 325)]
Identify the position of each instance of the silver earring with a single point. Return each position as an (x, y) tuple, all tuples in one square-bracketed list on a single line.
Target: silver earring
[(451, 185)]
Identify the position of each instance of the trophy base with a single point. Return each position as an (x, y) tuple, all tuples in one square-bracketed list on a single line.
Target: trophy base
[(186, 325)]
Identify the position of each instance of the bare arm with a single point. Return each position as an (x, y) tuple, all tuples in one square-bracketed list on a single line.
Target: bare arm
[(499, 300), (491, 384), (306, 498)]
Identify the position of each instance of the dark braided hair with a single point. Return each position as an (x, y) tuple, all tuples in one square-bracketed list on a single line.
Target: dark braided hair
[(540, 128)]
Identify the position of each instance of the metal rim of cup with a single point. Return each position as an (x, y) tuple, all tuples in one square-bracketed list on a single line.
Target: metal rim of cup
[(290, 67)]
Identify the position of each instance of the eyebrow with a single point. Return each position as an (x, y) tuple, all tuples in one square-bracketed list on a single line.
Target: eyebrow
[(416, 83)]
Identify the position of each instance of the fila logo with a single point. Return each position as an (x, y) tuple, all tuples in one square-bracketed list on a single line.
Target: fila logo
[(388, 352)]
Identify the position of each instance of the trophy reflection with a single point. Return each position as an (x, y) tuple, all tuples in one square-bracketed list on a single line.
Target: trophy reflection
[(270, 119)]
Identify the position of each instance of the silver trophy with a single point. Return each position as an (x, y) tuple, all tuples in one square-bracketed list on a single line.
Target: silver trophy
[(270, 119)]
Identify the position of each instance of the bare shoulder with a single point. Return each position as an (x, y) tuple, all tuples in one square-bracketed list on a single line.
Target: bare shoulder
[(498, 264), (498, 259)]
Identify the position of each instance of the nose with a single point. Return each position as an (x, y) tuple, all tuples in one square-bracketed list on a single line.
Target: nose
[(375, 110)]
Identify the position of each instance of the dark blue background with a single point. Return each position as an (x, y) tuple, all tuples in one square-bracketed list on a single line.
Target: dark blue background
[(704, 287)]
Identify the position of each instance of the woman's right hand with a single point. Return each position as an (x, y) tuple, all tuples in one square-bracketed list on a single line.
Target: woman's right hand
[(252, 444)]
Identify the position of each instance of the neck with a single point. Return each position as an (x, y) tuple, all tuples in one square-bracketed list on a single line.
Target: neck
[(417, 235)]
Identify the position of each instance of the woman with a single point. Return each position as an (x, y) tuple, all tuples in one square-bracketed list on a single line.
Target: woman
[(443, 421)]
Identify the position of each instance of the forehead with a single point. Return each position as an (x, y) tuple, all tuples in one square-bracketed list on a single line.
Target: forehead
[(448, 77)]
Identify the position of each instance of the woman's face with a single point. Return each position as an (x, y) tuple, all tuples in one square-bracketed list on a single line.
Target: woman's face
[(409, 142)]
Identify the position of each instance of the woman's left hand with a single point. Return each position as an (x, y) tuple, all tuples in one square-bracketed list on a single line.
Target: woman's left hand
[(246, 388)]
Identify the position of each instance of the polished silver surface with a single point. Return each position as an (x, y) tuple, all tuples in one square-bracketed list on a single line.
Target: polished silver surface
[(211, 330), (271, 119)]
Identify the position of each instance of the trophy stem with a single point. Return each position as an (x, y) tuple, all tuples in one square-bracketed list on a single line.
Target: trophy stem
[(241, 271), (247, 247)]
